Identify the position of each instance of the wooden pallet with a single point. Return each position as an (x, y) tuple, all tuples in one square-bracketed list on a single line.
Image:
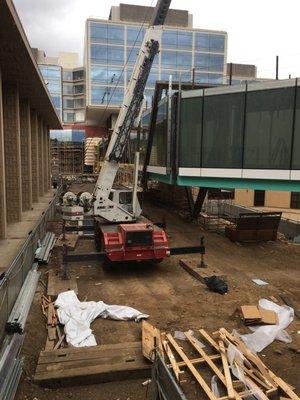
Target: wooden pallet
[(200, 273), (85, 365), (260, 380)]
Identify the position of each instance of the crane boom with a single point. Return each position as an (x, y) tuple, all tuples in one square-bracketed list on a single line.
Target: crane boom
[(110, 209)]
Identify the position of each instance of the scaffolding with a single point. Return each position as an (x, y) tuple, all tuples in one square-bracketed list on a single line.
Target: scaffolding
[(67, 158)]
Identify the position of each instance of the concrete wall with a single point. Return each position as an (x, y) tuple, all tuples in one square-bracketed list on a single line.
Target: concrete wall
[(245, 197), (24, 156), (278, 199)]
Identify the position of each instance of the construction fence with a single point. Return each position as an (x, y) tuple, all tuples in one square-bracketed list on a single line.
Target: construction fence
[(12, 280)]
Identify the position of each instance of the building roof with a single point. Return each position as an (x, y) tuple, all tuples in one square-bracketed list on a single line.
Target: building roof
[(18, 65)]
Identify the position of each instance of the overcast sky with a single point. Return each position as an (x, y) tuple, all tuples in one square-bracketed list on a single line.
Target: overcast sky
[(258, 30)]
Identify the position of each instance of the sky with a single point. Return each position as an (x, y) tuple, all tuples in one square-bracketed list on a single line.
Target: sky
[(258, 30)]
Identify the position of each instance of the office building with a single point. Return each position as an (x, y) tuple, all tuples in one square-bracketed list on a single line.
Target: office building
[(111, 48)]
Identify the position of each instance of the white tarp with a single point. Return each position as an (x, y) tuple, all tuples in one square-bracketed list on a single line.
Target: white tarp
[(264, 335), (77, 316)]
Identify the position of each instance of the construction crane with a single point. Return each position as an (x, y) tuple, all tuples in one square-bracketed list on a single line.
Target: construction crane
[(121, 232)]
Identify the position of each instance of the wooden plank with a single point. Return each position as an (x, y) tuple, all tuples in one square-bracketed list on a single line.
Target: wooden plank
[(212, 365), (209, 339), (251, 357), (57, 285), (200, 273), (151, 339), (229, 386), (81, 351), (176, 369), (59, 342), (49, 344), (50, 314), (196, 361), (216, 346), (191, 367), (51, 333), (116, 363)]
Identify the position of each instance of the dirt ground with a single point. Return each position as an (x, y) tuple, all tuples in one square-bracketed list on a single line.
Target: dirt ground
[(175, 301)]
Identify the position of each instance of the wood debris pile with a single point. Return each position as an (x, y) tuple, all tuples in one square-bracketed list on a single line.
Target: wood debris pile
[(239, 372), (55, 337)]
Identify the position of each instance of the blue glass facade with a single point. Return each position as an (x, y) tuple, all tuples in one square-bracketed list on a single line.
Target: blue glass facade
[(112, 49), (52, 75)]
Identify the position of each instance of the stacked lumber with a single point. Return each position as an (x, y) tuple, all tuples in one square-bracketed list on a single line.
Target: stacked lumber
[(55, 337), (239, 372)]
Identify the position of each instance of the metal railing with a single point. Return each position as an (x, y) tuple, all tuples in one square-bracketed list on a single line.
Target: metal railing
[(13, 279)]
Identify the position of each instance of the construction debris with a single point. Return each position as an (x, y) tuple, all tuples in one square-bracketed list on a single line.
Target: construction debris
[(252, 315), (42, 254), (76, 316), (18, 316), (262, 336), (191, 266), (236, 371)]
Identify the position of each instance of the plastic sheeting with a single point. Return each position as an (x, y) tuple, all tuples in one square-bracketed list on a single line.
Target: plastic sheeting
[(77, 316), (264, 335)]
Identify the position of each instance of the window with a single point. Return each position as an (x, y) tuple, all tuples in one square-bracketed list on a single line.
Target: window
[(105, 95), (223, 122), (132, 54), (79, 103), (79, 116), (159, 145), (98, 74), (56, 101), (184, 60), (115, 34), (68, 103), (296, 144), (78, 89), (173, 39), (295, 200), (169, 39), (67, 75), (168, 59), (67, 88), (116, 96), (201, 41), (217, 43), (135, 35), (190, 132), (99, 53), (50, 72), (185, 40), (54, 87), (78, 75), (115, 55), (115, 75), (259, 198), (209, 62), (68, 117), (209, 42), (99, 95), (98, 31), (268, 132)]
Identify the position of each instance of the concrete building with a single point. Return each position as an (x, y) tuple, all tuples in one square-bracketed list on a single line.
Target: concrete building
[(27, 113), (111, 48)]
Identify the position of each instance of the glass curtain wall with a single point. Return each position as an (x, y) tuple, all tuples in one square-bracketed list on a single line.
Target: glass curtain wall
[(53, 79), (257, 129), (114, 48), (159, 146)]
